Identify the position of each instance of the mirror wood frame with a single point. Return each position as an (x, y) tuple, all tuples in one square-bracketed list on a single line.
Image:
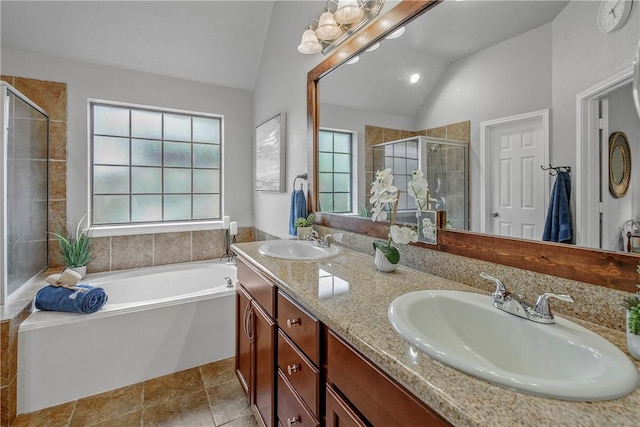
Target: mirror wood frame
[(615, 270)]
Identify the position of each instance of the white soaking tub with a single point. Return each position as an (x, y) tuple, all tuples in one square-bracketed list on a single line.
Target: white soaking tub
[(157, 321)]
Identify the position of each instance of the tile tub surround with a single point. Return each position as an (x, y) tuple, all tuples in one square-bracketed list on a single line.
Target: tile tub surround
[(147, 250), (359, 315), (208, 395)]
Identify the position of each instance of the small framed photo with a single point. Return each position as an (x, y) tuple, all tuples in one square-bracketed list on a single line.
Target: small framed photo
[(270, 154)]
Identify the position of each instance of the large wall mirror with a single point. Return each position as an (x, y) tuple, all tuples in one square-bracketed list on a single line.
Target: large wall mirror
[(494, 74)]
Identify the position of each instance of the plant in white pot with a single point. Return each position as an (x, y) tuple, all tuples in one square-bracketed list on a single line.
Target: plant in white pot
[(384, 198), (304, 227), (632, 305), (75, 249)]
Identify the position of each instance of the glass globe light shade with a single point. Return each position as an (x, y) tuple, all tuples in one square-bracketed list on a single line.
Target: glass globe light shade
[(327, 27), (348, 12), (309, 43)]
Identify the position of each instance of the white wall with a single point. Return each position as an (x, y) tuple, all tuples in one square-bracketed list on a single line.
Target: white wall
[(86, 81), (282, 87), (475, 89)]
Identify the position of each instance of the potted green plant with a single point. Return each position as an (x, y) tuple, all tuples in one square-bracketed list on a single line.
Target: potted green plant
[(75, 249), (304, 227), (632, 306), (633, 226)]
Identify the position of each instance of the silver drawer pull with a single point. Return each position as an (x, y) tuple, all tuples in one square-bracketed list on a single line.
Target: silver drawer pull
[(292, 369), (292, 421), (292, 322)]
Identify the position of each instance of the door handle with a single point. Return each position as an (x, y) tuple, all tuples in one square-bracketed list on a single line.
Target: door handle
[(495, 214)]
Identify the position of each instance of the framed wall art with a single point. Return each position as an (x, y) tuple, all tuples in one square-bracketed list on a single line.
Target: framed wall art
[(270, 154)]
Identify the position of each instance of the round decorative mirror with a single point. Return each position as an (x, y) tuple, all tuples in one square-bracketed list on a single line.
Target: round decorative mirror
[(619, 164)]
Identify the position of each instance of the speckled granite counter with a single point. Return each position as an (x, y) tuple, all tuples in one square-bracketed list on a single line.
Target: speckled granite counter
[(348, 295)]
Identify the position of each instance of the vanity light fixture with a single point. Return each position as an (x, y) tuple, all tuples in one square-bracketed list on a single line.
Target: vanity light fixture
[(348, 12), (353, 60), (339, 20), (397, 33), (373, 47), (309, 43), (327, 27)]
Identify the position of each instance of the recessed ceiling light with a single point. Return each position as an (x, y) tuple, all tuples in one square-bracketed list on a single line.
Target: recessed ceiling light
[(374, 47), (353, 60), (397, 33), (414, 78)]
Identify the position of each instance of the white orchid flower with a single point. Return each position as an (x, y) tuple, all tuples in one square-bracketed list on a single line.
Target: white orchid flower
[(418, 189), (403, 235), (378, 213), (428, 229)]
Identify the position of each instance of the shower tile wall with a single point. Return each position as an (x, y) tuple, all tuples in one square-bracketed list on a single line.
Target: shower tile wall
[(375, 135), (51, 97)]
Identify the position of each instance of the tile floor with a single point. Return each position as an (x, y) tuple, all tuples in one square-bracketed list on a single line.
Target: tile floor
[(206, 396)]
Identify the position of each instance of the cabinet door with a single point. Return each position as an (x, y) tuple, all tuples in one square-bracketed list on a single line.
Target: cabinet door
[(339, 414), (244, 328), (265, 365)]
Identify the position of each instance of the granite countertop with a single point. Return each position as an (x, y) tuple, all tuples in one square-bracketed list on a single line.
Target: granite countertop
[(348, 295)]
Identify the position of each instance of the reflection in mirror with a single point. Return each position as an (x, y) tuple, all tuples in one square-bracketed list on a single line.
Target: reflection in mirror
[(444, 164), (619, 164), (530, 56)]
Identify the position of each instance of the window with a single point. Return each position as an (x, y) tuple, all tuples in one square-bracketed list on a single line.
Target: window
[(335, 165), (154, 166)]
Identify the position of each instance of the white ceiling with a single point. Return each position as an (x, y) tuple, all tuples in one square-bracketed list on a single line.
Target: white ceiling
[(216, 42), (448, 32), (221, 42)]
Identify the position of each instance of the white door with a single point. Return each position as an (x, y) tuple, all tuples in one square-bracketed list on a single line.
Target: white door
[(516, 189)]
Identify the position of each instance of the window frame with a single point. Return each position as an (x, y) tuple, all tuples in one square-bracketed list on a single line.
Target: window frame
[(354, 169), (131, 228)]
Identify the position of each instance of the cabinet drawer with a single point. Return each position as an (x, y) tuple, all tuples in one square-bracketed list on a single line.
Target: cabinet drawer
[(258, 287), (339, 414), (303, 376), (291, 411), (378, 398), (303, 329)]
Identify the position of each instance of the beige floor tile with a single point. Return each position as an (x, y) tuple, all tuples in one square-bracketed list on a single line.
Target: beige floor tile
[(218, 372), (132, 419), (246, 421), (108, 405), (171, 386), (228, 402), (56, 416), (190, 410)]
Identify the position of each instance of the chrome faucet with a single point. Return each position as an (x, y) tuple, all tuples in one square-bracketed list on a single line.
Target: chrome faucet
[(540, 312), (325, 242)]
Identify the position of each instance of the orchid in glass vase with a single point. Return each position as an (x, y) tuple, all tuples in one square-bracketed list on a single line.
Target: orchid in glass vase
[(419, 190), (384, 201)]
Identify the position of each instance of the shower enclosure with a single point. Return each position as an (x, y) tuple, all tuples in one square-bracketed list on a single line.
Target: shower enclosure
[(24, 179), (444, 163)]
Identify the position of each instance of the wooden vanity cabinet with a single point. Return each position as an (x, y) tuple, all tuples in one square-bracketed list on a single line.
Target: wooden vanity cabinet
[(256, 341), (368, 391), (299, 402)]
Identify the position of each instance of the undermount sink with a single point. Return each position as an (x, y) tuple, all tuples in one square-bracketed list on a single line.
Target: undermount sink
[(561, 360), (299, 250)]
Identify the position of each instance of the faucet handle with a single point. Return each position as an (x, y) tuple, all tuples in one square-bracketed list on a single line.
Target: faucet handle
[(542, 307), (500, 288)]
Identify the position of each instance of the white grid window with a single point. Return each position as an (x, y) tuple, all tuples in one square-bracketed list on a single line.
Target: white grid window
[(154, 166)]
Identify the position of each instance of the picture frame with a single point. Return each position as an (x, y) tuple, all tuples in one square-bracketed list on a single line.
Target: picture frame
[(270, 153)]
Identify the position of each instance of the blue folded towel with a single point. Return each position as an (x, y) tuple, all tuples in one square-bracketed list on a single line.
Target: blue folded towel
[(81, 299), (298, 210), (558, 225)]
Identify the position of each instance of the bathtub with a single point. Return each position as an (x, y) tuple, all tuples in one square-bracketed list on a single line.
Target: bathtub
[(157, 321)]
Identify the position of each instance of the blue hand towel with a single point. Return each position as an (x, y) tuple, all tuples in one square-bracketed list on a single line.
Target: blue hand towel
[(557, 228), (79, 299), (298, 210)]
